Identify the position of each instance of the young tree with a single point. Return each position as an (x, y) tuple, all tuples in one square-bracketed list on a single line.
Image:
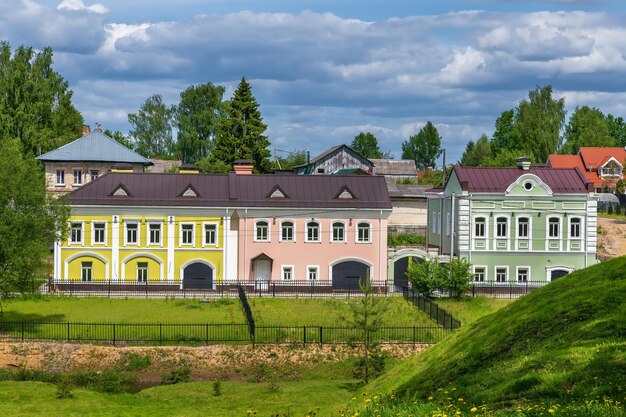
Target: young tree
[(538, 123), (617, 129), (424, 147), (425, 277), (457, 277), (366, 145), (366, 315), (240, 133), (30, 219), (197, 117), (476, 153), (503, 136), (35, 102), (152, 128), (586, 127)]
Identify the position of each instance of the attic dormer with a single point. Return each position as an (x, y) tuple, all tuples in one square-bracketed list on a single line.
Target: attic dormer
[(120, 191), (277, 192), (189, 192), (345, 194), (610, 169)]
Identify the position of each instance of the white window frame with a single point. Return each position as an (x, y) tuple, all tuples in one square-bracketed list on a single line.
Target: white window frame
[(292, 273), (216, 238), (434, 228), (506, 227), (93, 232), (529, 228), (580, 228), (448, 223), (369, 232), (332, 231), (70, 241), (269, 230), (293, 231), (62, 173), (558, 238), (181, 234), (80, 177), (506, 273), (517, 269), (485, 227), (142, 270), (306, 232), (485, 269), (91, 176), (317, 273), (126, 223), (149, 233), (88, 269)]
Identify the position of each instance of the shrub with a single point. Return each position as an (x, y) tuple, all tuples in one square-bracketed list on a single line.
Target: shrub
[(456, 277), (425, 277), (217, 387), (64, 388), (137, 361), (175, 376)]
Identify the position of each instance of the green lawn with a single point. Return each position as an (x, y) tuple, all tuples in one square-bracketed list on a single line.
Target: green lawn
[(295, 398), (468, 310), (267, 311)]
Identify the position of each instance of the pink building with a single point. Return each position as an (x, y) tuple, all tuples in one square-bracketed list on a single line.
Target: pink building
[(328, 229)]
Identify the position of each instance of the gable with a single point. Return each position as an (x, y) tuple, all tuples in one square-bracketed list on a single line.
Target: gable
[(120, 191), (345, 194), (277, 192), (529, 185), (189, 191)]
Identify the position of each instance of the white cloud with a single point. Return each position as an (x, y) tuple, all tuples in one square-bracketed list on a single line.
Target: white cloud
[(79, 5)]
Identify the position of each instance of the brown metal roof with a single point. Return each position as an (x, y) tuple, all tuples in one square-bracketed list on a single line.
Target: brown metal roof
[(231, 190), (497, 180)]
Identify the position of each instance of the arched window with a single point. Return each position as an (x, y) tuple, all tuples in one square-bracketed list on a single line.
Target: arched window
[(286, 231), (502, 227), (574, 228), (479, 227), (339, 232), (363, 232), (523, 227), (261, 231), (554, 224), (312, 231)]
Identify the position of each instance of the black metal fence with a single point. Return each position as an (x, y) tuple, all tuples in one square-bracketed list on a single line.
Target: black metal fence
[(440, 315), (504, 289), (300, 288), (208, 333)]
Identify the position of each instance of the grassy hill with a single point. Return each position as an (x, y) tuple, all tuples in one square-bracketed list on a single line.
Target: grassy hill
[(566, 341)]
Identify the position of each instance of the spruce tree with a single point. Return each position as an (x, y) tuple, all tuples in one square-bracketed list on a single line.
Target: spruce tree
[(240, 134)]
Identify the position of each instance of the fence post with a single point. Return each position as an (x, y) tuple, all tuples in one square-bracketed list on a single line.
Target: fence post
[(160, 334), (413, 336), (146, 287), (273, 289), (473, 290), (304, 333), (113, 334), (321, 341), (22, 331)]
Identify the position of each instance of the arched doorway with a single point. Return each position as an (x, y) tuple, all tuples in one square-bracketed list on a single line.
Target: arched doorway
[(348, 275), (197, 275), (558, 273), (401, 266)]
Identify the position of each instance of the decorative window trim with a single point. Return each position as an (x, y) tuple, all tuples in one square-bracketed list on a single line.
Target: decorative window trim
[(149, 234), (293, 226), (126, 223), (485, 269), (507, 232), (193, 234), (485, 237), (82, 233), (282, 273), (84, 268), (558, 238), (269, 230), (93, 232), (528, 277), (56, 177), (495, 273), (139, 278), (306, 232), (317, 273), (332, 231), (530, 227), (356, 232), (580, 228), (217, 232)]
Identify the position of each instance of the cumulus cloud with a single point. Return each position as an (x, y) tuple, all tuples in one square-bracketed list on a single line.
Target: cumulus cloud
[(321, 78)]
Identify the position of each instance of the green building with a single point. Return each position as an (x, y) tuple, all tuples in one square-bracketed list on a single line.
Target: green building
[(515, 224)]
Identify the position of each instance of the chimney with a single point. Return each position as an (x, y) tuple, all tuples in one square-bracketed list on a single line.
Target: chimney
[(243, 166), (523, 162), (86, 130)]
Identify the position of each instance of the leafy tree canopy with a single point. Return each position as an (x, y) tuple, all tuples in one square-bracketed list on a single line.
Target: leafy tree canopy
[(366, 145), (476, 153), (503, 137), (587, 127), (152, 128), (240, 134), (290, 161), (35, 101), (424, 147), (197, 117), (30, 219), (121, 138), (504, 158), (617, 129)]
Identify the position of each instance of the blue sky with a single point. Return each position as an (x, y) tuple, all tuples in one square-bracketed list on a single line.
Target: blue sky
[(323, 71)]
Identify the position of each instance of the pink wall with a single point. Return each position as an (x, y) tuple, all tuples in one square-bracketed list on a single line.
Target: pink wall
[(301, 254)]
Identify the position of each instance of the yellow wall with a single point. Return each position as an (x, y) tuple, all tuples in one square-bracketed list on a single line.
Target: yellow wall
[(154, 269), (74, 268)]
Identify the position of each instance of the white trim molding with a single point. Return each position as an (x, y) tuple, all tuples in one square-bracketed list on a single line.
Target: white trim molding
[(142, 255)]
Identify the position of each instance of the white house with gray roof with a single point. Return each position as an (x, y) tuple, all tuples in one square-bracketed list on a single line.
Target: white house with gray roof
[(85, 159)]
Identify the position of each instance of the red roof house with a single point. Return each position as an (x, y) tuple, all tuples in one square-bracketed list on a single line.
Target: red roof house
[(602, 165)]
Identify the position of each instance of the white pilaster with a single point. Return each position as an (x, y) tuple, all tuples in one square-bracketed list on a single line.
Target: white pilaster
[(115, 248), (230, 247), (170, 248)]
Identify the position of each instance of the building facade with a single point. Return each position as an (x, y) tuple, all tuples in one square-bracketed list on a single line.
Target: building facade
[(603, 166), (337, 158), (515, 224), (194, 230)]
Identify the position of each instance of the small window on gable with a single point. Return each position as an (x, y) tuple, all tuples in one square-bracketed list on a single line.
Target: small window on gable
[(277, 192), (189, 192), (120, 191), (345, 194)]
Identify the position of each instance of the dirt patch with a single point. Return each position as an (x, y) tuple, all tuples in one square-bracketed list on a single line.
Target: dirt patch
[(611, 237), (231, 363)]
